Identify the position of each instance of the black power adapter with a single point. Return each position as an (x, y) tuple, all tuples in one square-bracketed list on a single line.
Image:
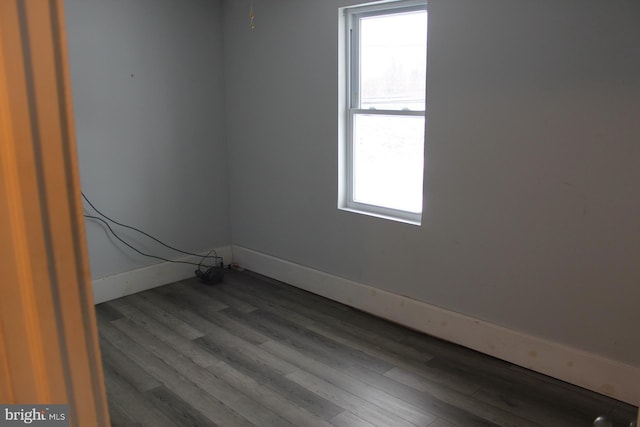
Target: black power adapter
[(211, 275)]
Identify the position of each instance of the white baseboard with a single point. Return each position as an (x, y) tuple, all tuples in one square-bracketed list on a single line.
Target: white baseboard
[(130, 282), (584, 369)]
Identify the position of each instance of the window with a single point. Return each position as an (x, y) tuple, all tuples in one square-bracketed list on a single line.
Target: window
[(382, 96)]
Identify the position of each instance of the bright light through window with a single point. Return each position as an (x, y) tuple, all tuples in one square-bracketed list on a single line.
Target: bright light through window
[(393, 61), (387, 161), (385, 123)]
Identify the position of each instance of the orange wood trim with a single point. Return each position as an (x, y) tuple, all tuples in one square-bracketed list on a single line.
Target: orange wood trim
[(49, 350)]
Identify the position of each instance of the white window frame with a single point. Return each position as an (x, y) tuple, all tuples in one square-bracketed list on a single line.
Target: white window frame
[(349, 101)]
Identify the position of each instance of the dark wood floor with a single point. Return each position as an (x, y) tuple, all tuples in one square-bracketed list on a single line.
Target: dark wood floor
[(255, 352)]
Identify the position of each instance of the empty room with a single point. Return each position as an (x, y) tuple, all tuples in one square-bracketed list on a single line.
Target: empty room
[(327, 212)]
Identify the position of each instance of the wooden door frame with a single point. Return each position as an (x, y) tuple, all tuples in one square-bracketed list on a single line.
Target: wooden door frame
[(49, 349)]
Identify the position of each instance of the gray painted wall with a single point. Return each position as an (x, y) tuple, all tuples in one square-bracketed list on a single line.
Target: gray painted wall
[(148, 100), (532, 207)]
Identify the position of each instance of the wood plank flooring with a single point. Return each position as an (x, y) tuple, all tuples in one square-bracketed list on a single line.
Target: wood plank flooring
[(253, 351)]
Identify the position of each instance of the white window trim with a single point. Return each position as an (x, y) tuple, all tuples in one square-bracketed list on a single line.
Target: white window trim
[(349, 97)]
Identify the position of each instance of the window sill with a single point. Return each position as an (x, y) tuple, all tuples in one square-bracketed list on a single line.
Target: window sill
[(380, 215)]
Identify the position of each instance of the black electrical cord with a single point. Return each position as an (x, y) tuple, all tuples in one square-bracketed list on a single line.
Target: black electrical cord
[(215, 254), (211, 275), (199, 265)]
